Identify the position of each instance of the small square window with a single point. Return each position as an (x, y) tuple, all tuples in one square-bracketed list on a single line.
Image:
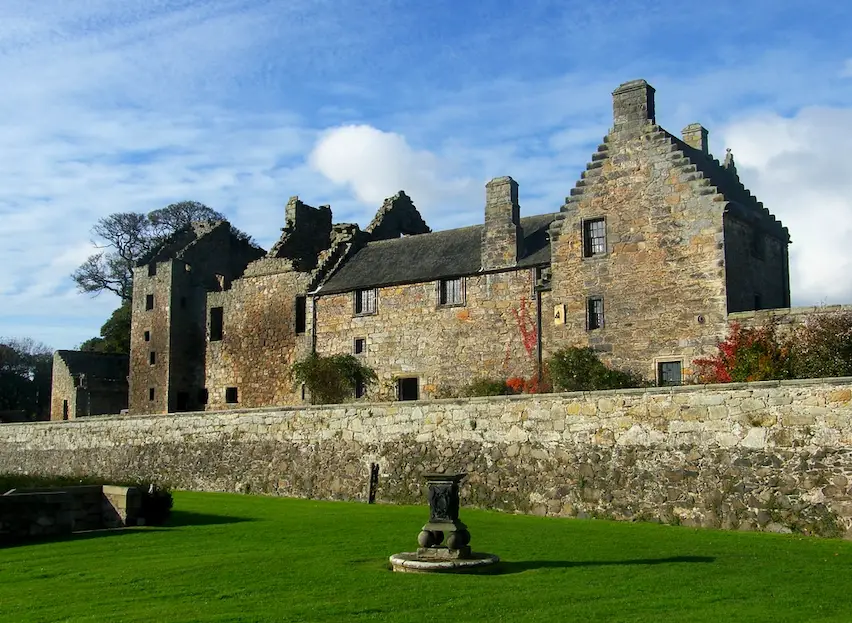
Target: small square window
[(147, 336), (359, 345), (408, 388), (451, 291), (150, 393), (231, 395), (365, 301), (594, 237), (669, 373), (594, 313), (152, 358), (149, 302), (152, 269)]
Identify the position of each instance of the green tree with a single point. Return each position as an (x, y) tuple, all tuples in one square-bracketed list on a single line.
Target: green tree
[(26, 368), (115, 333), (579, 369), (332, 379), (124, 237)]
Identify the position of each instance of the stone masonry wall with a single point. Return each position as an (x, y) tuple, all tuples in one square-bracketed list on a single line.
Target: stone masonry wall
[(63, 391), (756, 269), (446, 341), (774, 456), (787, 317), (259, 342)]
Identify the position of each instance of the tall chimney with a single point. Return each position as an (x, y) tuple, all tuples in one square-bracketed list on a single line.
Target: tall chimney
[(695, 135), (632, 106), (502, 239)]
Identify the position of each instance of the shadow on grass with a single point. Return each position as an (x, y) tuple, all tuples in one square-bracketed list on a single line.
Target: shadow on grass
[(505, 567), (74, 536), (188, 518)]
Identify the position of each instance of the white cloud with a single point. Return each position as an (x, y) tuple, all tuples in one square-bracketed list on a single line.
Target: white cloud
[(797, 168), (376, 164)]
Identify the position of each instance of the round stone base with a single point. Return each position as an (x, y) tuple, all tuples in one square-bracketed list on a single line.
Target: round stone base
[(410, 562)]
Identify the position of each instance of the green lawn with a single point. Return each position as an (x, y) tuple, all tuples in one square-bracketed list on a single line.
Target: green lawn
[(248, 558)]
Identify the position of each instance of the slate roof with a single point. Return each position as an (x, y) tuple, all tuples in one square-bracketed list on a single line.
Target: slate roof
[(96, 365), (428, 257)]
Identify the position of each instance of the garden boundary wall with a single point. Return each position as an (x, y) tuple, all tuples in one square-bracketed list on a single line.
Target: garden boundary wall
[(773, 456)]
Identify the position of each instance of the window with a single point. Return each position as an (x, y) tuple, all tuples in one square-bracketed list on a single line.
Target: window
[(668, 373), (216, 323), (301, 313), (203, 396), (451, 291), (594, 313), (757, 244), (365, 302), (231, 395), (150, 393), (149, 302), (407, 388), (152, 358), (360, 389), (147, 336), (64, 409), (152, 269), (594, 237), (359, 346)]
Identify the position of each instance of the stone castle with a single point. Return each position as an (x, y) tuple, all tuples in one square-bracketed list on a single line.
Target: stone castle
[(657, 244)]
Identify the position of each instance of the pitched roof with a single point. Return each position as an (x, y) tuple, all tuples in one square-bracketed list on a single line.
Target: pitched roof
[(96, 365), (437, 255)]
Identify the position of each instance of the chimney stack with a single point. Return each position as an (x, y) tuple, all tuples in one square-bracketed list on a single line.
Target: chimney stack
[(695, 135), (632, 106), (502, 239)]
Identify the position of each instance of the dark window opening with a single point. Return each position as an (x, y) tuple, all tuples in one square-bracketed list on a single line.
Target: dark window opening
[(668, 373), (301, 313), (360, 345), (149, 302), (594, 313), (152, 269), (231, 395), (64, 409), (757, 243), (360, 389), (152, 357), (150, 393), (203, 396), (182, 403), (147, 336), (303, 391), (451, 291), (216, 323), (365, 301), (408, 388), (594, 237)]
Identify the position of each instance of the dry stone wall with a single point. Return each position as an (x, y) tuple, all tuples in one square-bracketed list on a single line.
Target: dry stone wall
[(773, 456)]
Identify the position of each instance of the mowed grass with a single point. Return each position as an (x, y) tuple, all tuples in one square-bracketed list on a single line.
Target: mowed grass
[(250, 558)]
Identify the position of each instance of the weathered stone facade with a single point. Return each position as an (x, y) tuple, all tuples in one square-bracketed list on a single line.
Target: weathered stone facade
[(85, 384), (774, 456), (656, 245)]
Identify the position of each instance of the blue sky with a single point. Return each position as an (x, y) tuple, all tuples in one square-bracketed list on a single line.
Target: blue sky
[(130, 105)]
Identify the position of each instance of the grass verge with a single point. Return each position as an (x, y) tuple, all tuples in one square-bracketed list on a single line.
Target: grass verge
[(226, 557)]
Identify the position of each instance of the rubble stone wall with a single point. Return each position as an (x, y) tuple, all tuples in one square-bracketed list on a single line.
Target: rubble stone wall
[(774, 455)]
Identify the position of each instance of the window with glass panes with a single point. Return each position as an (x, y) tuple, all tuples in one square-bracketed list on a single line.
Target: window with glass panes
[(594, 237), (451, 291), (365, 301), (594, 313)]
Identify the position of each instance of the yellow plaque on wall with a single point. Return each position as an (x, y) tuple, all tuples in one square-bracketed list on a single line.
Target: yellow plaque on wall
[(559, 314)]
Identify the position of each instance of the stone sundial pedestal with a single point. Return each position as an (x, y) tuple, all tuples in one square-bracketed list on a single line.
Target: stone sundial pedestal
[(444, 540)]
